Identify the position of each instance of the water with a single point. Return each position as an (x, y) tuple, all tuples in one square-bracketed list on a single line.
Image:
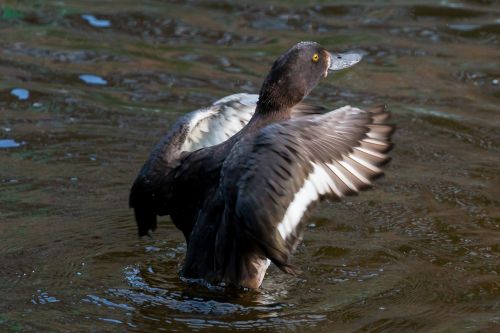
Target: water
[(418, 253)]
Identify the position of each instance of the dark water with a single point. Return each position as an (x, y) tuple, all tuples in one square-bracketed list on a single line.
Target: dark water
[(86, 89)]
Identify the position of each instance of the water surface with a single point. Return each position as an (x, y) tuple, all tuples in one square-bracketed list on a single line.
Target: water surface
[(87, 89)]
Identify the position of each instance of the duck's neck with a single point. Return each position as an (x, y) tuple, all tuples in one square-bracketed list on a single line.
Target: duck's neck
[(270, 104), (278, 95), (271, 109)]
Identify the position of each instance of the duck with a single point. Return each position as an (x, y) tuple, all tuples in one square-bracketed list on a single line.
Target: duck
[(238, 177)]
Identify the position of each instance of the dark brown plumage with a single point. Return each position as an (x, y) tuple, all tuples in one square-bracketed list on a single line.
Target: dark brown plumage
[(240, 199)]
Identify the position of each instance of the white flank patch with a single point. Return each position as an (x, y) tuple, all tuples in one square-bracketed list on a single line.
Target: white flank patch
[(317, 183)]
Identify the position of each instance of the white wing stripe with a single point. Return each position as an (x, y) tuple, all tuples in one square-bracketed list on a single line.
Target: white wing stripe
[(329, 183), (323, 185), (302, 199), (318, 183), (339, 177)]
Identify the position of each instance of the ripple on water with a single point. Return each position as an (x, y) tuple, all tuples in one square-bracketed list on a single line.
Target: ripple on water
[(202, 307), (43, 297), (101, 301), (63, 56), (418, 255)]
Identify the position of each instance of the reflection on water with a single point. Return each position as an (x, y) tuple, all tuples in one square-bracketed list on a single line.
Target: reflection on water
[(20, 93), (9, 143), (95, 22), (86, 91), (92, 79), (42, 297)]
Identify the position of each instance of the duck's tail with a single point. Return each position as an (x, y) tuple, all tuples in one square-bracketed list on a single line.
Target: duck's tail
[(142, 200)]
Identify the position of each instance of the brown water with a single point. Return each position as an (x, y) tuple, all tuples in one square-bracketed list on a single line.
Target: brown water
[(418, 253)]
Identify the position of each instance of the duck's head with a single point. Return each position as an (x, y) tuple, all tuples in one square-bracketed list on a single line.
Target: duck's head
[(296, 72)]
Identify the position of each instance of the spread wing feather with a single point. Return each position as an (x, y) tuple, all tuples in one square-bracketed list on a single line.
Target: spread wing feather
[(172, 179), (217, 123), (291, 165), (226, 117)]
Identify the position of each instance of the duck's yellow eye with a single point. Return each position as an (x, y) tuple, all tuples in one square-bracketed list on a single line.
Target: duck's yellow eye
[(315, 57)]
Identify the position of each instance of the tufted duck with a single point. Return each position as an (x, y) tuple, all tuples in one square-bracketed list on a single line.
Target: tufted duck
[(238, 177)]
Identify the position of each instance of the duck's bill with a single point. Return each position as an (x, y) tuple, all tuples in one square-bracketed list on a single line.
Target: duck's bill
[(340, 61)]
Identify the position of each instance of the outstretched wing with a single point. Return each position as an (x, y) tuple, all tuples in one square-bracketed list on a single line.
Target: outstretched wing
[(151, 193), (217, 123), (172, 179), (289, 166), (226, 117)]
